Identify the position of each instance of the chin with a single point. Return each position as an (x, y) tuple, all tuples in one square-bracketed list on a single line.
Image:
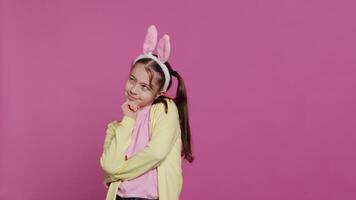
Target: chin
[(134, 101)]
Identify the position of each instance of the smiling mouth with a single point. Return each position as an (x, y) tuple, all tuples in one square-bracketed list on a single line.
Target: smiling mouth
[(131, 98)]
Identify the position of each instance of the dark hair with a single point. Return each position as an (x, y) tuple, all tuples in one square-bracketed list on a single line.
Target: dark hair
[(180, 100)]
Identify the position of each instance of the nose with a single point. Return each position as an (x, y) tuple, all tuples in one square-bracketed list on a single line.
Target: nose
[(133, 89)]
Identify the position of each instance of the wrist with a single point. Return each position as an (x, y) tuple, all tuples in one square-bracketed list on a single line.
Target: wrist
[(128, 120)]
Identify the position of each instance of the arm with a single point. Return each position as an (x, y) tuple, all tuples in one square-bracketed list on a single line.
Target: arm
[(165, 132), (117, 140), (109, 133)]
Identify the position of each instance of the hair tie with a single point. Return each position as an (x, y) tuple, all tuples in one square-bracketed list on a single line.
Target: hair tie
[(174, 73)]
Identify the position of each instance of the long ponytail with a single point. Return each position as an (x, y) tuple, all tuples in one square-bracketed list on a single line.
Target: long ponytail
[(181, 102)]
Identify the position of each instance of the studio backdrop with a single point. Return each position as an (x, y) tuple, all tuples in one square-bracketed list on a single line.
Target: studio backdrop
[(271, 94)]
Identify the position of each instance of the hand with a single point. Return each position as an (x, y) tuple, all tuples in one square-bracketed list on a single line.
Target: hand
[(107, 185), (107, 181), (129, 109)]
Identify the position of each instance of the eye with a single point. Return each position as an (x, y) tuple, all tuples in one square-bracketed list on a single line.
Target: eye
[(145, 87)]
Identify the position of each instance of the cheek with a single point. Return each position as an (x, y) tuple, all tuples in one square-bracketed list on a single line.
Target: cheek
[(127, 86), (148, 97)]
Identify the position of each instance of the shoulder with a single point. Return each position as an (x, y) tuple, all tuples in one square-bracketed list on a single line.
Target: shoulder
[(166, 110), (168, 106), (165, 116)]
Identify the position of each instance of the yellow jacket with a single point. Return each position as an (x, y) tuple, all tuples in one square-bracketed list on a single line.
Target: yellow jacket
[(163, 151)]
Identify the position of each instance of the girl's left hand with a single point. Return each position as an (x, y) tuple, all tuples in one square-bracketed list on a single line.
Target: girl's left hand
[(107, 185)]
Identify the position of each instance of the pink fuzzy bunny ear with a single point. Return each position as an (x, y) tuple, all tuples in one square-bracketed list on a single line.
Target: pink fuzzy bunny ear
[(150, 40), (163, 48)]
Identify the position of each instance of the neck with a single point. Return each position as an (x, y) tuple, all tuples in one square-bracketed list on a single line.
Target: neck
[(144, 107)]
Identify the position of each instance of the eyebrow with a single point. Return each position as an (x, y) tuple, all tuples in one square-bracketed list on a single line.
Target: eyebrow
[(140, 82)]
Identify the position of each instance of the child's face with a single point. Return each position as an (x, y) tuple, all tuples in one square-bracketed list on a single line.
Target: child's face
[(137, 87)]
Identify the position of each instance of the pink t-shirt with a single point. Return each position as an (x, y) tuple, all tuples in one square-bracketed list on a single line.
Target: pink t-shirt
[(144, 186)]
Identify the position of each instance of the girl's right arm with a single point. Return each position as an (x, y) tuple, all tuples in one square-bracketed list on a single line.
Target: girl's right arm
[(117, 140), (165, 132)]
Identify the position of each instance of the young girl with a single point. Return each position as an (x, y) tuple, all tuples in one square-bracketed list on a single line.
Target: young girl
[(142, 153)]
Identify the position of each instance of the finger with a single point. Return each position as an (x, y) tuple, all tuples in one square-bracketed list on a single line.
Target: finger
[(129, 104), (135, 105), (124, 104), (132, 108), (132, 105)]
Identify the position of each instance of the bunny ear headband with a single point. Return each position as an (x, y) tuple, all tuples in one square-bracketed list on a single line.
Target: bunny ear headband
[(163, 51)]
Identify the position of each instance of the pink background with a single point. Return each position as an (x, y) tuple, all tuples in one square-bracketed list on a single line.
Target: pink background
[(271, 88)]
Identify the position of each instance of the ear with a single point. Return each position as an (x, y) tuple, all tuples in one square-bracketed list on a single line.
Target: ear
[(150, 41), (163, 48)]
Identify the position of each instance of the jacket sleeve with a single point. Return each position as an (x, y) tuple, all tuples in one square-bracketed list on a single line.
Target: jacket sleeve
[(165, 132), (116, 142)]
